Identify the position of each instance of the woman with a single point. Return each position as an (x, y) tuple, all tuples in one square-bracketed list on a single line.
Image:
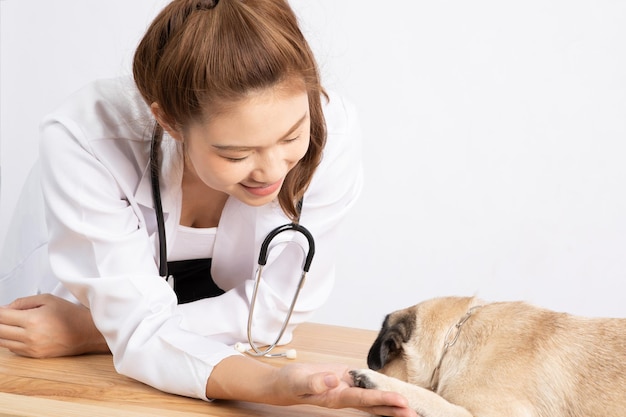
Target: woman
[(227, 111)]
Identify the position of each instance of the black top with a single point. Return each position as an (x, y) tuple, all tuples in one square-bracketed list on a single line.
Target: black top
[(192, 280)]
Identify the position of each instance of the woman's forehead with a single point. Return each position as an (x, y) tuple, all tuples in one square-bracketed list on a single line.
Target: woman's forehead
[(266, 116)]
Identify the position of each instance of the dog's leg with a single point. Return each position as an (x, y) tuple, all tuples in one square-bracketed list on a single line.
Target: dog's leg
[(425, 402)]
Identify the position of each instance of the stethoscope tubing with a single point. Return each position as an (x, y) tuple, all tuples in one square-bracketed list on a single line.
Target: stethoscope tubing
[(263, 255), (156, 197), (264, 252)]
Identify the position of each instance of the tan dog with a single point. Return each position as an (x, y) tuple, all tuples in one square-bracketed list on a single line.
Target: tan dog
[(461, 357)]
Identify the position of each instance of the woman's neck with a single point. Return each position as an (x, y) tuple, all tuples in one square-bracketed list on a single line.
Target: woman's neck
[(202, 205)]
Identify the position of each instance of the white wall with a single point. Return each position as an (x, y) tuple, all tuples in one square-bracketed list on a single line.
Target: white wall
[(48, 49), (495, 135)]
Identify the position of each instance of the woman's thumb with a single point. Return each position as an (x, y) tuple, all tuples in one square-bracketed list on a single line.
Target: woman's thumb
[(322, 382)]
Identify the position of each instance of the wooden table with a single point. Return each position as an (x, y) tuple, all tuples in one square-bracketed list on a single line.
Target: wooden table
[(88, 386)]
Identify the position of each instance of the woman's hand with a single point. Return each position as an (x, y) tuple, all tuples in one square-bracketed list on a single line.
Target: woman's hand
[(44, 326), (330, 386)]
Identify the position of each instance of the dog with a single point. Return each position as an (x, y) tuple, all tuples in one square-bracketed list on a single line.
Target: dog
[(462, 357)]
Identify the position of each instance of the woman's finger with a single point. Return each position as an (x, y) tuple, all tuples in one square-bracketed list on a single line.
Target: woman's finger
[(390, 411), (27, 303), (14, 333), (12, 338), (11, 317), (16, 347), (321, 382), (381, 403), (372, 398)]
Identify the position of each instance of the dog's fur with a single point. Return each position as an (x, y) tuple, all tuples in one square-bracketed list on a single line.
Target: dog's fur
[(511, 359)]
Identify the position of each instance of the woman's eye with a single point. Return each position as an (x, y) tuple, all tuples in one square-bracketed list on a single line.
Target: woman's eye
[(239, 159), (291, 139)]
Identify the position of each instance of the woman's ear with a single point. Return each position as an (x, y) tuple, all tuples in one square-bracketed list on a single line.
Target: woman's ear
[(165, 124)]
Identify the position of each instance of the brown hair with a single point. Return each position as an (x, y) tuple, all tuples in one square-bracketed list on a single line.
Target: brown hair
[(198, 55)]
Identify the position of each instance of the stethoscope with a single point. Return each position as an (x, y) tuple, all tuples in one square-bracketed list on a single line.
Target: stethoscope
[(262, 261)]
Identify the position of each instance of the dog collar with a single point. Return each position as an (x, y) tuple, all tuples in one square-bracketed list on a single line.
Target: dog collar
[(451, 337)]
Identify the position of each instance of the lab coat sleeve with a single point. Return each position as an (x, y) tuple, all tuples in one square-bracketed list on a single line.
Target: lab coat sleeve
[(101, 252), (333, 191)]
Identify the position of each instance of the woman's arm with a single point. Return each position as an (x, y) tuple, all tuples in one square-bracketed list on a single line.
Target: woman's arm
[(301, 383), (44, 326)]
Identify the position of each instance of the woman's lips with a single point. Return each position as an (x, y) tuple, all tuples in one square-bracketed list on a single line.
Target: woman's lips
[(264, 190)]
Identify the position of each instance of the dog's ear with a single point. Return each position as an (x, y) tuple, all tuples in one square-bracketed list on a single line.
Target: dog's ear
[(388, 343)]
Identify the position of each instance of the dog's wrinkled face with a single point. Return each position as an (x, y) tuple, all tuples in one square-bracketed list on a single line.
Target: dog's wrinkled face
[(410, 340)]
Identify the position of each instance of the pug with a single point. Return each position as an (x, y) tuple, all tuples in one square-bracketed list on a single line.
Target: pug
[(463, 357)]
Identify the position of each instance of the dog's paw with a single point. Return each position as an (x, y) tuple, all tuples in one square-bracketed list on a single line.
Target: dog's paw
[(364, 378)]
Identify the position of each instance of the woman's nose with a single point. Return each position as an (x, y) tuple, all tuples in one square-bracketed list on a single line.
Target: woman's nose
[(270, 166)]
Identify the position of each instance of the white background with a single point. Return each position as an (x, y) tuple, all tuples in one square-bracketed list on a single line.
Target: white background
[(495, 138)]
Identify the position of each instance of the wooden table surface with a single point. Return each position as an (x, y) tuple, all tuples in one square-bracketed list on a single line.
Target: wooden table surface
[(88, 386)]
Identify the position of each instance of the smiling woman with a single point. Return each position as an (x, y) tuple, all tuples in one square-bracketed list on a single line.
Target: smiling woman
[(232, 128)]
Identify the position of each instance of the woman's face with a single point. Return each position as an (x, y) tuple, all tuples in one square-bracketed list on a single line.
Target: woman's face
[(247, 150)]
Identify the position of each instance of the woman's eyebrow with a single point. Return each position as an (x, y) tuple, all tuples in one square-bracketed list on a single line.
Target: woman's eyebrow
[(285, 136)]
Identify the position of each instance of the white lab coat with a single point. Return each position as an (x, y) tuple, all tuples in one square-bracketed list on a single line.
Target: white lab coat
[(100, 245)]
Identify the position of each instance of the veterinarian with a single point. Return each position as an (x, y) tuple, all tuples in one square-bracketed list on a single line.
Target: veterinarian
[(245, 139)]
